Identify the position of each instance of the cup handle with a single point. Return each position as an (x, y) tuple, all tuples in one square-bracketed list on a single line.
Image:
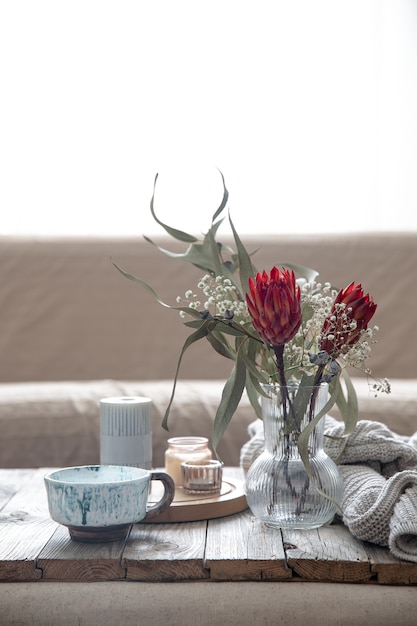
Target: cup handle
[(167, 498)]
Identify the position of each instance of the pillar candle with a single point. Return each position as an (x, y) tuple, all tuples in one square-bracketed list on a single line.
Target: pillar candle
[(126, 431)]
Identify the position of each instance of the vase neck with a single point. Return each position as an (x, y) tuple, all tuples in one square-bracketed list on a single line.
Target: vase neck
[(285, 415)]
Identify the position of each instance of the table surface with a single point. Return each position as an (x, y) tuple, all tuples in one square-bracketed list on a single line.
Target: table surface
[(233, 548)]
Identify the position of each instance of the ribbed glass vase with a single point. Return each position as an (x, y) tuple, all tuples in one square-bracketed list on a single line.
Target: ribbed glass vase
[(279, 490)]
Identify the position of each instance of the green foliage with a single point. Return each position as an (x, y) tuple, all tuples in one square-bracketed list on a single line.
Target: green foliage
[(253, 360)]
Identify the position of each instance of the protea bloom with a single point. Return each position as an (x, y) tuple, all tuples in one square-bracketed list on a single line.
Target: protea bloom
[(274, 306), (349, 316)]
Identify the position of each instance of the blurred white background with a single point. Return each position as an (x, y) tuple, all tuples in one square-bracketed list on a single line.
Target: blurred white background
[(307, 107)]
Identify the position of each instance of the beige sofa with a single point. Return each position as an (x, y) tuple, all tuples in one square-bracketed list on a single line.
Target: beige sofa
[(73, 330)]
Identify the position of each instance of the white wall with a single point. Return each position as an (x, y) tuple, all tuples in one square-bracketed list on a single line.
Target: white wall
[(307, 107)]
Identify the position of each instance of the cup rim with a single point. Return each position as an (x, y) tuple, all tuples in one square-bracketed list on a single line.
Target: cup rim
[(53, 478)]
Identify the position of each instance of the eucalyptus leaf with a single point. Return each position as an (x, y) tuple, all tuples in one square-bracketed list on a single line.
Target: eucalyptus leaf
[(232, 330), (196, 336), (256, 376), (302, 398), (304, 438), (194, 323), (305, 272), (143, 284), (246, 269), (197, 254), (224, 326), (254, 391), (185, 309), (231, 395), (348, 407), (224, 200), (174, 232), (246, 355), (218, 268), (238, 330), (220, 345)]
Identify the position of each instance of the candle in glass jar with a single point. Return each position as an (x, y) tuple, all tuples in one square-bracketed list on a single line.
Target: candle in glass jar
[(202, 477), (185, 449)]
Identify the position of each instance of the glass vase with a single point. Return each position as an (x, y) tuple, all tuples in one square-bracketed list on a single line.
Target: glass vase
[(279, 489)]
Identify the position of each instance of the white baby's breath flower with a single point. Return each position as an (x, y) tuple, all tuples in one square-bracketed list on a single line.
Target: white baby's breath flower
[(221, 298)]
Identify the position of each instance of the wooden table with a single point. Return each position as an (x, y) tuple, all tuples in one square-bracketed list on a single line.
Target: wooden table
[(233, 548)]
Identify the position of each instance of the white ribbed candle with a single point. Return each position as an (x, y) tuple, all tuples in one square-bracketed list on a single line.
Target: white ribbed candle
[(126, 431)]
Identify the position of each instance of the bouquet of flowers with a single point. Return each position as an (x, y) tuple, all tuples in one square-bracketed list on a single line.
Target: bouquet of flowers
[(277, 327)]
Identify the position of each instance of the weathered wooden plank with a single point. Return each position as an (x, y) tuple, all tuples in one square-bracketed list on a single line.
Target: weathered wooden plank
[(327, 554), (11, 480), (25, 527), (388, 569), (240, 547), (165, 552), (65, 559)]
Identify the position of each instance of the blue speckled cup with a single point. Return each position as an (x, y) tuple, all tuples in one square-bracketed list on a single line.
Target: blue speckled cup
[(100, 502)]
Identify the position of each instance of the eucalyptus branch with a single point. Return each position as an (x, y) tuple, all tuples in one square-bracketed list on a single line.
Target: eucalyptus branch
[(285, 330)]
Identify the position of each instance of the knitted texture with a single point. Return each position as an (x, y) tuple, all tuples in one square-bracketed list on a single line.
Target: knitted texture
[(379, 470)]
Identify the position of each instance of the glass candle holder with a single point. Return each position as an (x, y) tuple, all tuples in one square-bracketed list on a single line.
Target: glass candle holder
[(194, 449), (203, 477)]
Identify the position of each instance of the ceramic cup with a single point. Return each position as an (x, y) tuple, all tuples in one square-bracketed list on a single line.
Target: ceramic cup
[(100, 502)]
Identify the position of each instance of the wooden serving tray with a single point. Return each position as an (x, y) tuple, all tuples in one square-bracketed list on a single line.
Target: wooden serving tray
[(193, 508)]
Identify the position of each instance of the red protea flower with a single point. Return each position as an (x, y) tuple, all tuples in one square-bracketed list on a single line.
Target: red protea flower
[(274, 305), (349, 316)]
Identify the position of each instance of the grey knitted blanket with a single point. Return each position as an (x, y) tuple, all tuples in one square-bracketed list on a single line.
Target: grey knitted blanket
[(379, 470)]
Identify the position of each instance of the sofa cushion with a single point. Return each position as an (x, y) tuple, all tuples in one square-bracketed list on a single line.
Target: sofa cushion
[(57, 424)]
